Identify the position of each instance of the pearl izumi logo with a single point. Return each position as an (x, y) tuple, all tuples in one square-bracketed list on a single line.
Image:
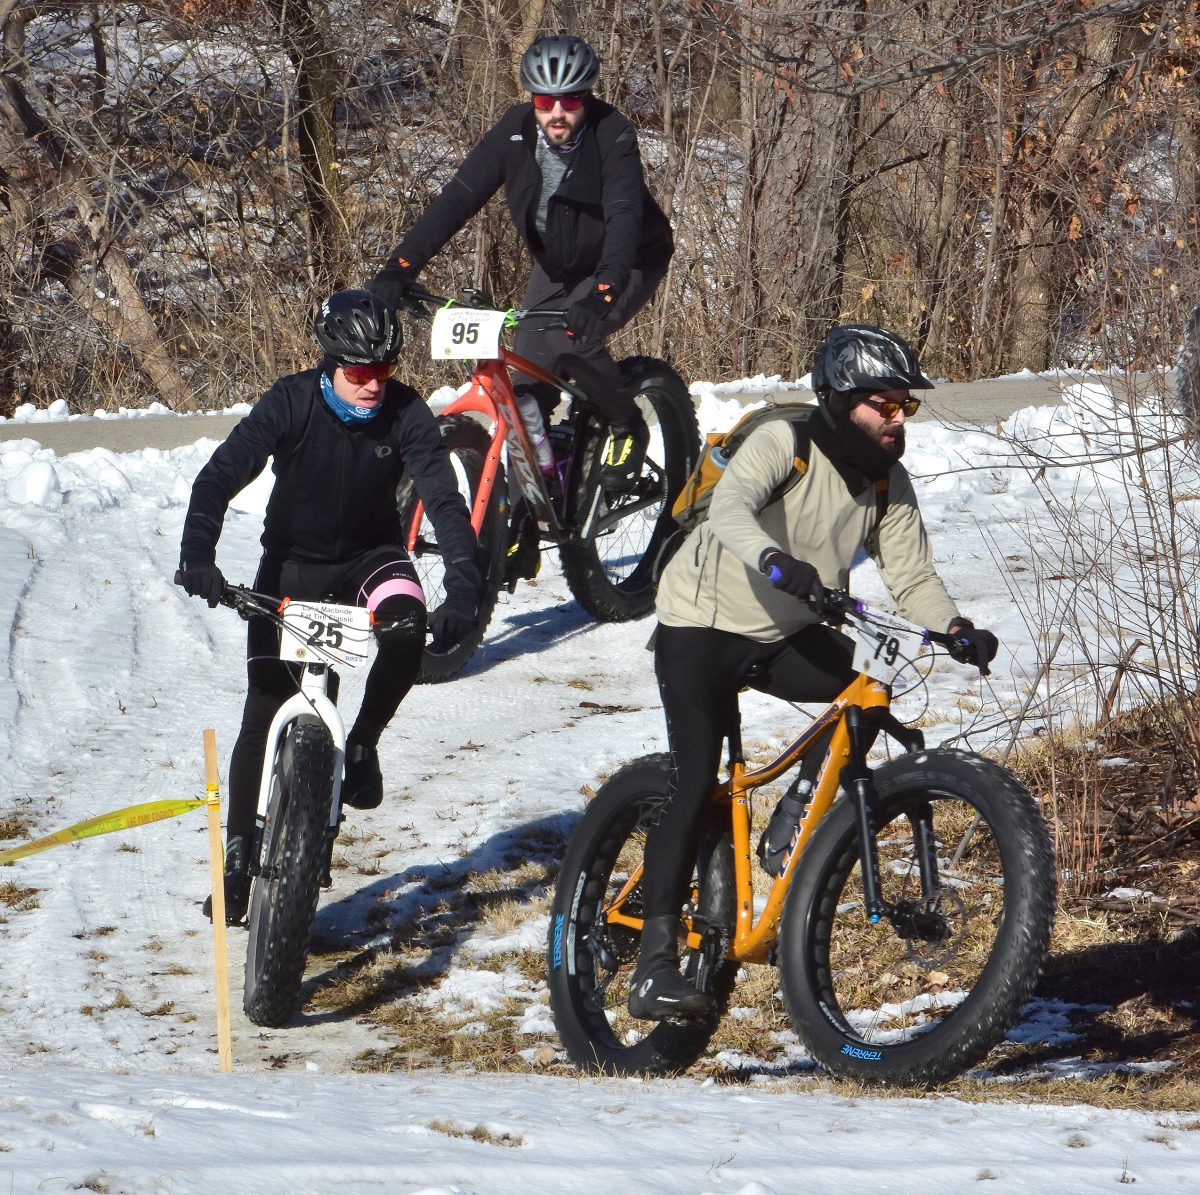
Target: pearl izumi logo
[(382, 450)]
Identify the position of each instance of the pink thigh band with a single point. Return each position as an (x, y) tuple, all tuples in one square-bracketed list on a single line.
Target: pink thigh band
[(397, 587)]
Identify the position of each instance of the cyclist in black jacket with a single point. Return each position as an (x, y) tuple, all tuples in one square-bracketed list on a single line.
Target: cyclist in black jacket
[(576, 193), (340, 436)]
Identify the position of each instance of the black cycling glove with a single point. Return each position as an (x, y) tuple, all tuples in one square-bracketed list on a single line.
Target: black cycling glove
[(796, 577), (393, 283), (584, 319), (203, 581), (451, 622), (972, 645)]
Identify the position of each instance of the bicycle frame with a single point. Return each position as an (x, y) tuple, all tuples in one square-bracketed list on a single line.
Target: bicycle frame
[(490, 394), (862, 705)]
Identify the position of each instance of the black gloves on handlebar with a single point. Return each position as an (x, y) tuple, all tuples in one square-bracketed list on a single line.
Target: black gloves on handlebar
[(796, 577), (972, 645), (585, 317), (393, 283), (202, 581), (451, 622)]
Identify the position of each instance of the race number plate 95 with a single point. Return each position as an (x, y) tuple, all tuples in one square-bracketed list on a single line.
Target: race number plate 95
[(463, 332), (324, 632)]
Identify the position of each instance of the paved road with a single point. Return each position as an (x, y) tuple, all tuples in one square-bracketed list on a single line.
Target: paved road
[(967, 402)]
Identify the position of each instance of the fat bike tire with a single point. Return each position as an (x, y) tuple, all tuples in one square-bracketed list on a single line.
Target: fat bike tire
[(612, 571), (590, 961), (926, 992), (283, 898), (467, 443)]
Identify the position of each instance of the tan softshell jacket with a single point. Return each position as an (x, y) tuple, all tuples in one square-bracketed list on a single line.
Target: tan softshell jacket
[(713, 580)]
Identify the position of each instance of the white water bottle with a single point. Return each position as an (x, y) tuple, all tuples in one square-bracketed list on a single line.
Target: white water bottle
[(535, 425)]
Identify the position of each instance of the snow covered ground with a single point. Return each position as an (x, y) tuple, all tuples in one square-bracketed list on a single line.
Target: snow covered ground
[(107, 1034)]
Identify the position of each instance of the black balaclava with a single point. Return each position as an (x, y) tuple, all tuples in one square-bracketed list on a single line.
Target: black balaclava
[(858, 458)]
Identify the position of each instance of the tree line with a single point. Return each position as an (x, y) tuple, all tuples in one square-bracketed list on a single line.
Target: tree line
[(1011, 186)]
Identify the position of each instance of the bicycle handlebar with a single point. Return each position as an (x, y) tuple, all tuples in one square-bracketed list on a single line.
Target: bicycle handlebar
[(417, 299), (839, 605)]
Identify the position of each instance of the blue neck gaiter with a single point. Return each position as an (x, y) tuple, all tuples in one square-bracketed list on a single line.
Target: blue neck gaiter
[(347, 412)]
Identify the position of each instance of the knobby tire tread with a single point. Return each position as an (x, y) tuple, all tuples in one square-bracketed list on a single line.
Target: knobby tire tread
[(1006, 981), (617, 811), (632, 596), (282, 907)]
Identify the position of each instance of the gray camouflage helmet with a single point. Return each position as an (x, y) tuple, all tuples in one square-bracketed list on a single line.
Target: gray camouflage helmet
[(559, 65), (864, 357), (355, 327)]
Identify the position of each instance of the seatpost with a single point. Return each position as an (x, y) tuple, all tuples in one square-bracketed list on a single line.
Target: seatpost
[(859, 785)]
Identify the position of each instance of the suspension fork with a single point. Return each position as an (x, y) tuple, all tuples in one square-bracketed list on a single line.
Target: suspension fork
[(859, 784), (858, 781)]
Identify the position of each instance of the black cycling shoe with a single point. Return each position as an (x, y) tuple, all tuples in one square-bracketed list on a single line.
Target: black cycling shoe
[(657, 991), (237, 881), (363, 786), (524, 556), (666, 994), (623, 460)]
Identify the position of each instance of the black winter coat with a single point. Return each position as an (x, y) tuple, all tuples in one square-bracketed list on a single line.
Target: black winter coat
[(335, 484), (601, 222)]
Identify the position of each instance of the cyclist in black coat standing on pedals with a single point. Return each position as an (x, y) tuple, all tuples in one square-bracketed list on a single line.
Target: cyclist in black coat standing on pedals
[(340, 436), (577, 196)]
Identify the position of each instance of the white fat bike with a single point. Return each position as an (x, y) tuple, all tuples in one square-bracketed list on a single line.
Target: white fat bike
[(299, 796)]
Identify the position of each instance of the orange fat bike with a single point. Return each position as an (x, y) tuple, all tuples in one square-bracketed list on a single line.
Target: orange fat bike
[(909, 917)]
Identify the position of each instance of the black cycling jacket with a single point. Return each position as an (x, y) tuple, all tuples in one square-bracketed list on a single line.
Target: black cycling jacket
[(601, 222), (335, 484)]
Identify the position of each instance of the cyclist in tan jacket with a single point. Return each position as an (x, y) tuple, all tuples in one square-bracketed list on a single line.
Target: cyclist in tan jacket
[(728, 612)]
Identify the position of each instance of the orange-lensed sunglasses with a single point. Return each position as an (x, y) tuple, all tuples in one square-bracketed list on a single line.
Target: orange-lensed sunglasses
[(888, 407)]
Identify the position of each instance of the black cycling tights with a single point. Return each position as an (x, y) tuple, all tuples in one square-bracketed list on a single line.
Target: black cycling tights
[(384, 581), (700, 671)]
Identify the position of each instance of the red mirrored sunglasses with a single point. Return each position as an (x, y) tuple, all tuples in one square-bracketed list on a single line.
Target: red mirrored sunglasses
[(360, 375), (571, 102)]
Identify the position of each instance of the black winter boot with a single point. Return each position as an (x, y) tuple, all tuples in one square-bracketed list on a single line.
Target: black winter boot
[(657, 990), (237, 881), (363, 786)]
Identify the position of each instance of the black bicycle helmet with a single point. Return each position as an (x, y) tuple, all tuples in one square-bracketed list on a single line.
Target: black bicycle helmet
[(864, 357), (559, 65), (356, 328)]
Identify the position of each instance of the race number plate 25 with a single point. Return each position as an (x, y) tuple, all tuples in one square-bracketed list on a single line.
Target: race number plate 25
[(323, 632), (463, 332)]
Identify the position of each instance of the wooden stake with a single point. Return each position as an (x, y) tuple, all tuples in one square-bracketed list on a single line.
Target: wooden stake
[(217, 859)]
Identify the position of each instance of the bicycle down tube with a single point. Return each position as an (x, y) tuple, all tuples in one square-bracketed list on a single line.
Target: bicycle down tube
[(490, 394)]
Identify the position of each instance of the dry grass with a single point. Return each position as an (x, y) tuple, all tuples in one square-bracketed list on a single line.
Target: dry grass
[(18, 898)]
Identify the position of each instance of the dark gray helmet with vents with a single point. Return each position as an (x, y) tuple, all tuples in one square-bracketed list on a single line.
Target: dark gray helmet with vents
[(559, 65), (864, 357), (357, 328)]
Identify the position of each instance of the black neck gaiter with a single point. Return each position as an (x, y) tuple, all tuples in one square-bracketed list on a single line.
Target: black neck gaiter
[(858, 458)]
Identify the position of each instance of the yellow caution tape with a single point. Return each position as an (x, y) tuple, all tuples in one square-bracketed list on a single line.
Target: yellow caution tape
[(107, 823)]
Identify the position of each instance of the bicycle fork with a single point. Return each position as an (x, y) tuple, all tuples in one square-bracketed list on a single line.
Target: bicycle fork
[(858, 782)]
